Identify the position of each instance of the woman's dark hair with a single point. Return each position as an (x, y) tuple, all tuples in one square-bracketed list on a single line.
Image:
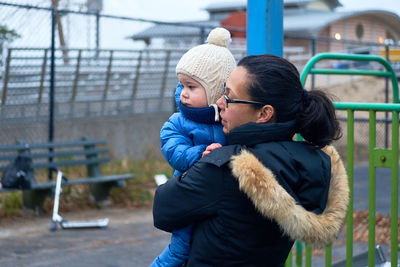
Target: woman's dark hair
[(275, 81)]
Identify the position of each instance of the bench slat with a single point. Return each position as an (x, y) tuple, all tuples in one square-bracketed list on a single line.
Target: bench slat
[(69, 163), (66, 163), (53, 145), (58, 154), (88, 180)]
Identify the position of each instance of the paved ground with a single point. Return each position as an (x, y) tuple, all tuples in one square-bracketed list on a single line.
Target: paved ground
[(130, 239)]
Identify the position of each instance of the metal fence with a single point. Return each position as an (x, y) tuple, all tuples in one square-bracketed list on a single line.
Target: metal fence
[(94, 77)]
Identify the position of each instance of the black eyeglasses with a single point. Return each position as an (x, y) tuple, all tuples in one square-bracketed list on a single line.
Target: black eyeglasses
[(229, 100)]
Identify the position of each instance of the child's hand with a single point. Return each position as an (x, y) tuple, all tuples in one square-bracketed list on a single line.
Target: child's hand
[(211, 148)]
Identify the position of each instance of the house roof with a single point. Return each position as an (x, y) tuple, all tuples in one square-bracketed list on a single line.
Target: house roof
[(163, 31), (317, 20), (241, 5), (303, 22)]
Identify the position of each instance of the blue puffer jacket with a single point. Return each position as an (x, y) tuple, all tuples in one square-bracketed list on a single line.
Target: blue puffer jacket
[(183, 140)]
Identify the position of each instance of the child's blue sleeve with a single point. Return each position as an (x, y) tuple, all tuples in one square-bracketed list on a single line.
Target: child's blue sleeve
[(177, 147), (177, 94)]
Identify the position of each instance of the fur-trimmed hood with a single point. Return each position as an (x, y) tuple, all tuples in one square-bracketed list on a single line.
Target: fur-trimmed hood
[(272, 201)]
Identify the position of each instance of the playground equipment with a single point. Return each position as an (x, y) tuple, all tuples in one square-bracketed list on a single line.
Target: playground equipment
[(378, 157)]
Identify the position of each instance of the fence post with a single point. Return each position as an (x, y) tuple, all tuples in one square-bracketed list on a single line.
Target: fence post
[(75, 86), (313, 52), (7, 71), (97, 33), (165, 76), (108, 74), (137, 74), (202, 35), (52, 77), (42, 76)]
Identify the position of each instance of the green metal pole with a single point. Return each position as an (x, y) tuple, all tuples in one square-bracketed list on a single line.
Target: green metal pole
[(308, 69), (308, 255), (395, 190), (289, 260), (350, 174), (372, 189), (328, 256), (299, 253)]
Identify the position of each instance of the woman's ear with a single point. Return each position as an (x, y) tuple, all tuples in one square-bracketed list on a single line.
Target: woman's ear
[(266, 114)]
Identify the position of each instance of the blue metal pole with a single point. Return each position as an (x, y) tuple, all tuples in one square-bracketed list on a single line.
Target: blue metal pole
[(265, 27)]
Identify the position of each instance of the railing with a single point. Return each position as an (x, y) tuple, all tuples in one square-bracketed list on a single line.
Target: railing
[(378, 157), (95, 80)]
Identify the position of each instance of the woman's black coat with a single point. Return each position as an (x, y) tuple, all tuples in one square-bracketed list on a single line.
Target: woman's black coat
[(236, 224)]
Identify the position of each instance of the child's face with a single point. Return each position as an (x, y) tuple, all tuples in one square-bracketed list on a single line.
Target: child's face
[(193, 94)]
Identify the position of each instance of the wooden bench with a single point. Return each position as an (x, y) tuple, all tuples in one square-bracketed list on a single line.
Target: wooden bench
[(85, 152)]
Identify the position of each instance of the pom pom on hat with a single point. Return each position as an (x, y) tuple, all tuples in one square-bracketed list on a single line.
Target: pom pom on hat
[(220, 37), (209, 64)]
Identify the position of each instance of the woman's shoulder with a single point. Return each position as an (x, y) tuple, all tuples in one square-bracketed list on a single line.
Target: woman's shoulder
[(222, 155)]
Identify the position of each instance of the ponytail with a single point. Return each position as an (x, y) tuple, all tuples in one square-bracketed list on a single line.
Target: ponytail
[(275, 81), (316, 119)]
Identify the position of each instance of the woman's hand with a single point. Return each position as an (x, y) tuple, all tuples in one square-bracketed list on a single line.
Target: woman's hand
[(211, 148)]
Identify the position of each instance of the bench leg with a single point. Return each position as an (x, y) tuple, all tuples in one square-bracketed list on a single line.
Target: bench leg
[(100, 191), (34, 199)]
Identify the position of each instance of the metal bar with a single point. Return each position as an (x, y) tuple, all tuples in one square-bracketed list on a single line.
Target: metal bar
[(52, 77), (387, 100), (137, 75), (351, 72), (42, 76), (352, 57), (308, 256), (328, 255), (6, 75), (165, 76), (97, 31), (202, 35), (350, 174), (289, 260), (108, 74), (394, 191), (366, 106), (371, 189), (313, 52), (299, 253), (75, 85)]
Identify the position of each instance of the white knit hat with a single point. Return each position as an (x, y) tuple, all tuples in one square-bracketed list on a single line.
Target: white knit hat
[(209, 64)]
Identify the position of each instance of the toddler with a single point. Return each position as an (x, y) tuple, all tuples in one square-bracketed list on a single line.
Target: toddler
[(202, 72)]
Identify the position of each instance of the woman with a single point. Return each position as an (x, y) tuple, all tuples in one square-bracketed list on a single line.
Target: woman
[(251, 199)]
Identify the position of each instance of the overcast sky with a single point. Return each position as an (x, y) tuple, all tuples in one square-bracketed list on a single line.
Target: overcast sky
[(173, 10)]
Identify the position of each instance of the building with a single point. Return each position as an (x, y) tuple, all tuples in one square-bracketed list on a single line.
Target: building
[(304, 21)]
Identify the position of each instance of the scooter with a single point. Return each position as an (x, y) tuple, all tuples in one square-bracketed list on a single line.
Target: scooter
[(57, 219)]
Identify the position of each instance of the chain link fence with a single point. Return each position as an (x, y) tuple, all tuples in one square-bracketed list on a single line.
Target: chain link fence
[(99, 75)]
